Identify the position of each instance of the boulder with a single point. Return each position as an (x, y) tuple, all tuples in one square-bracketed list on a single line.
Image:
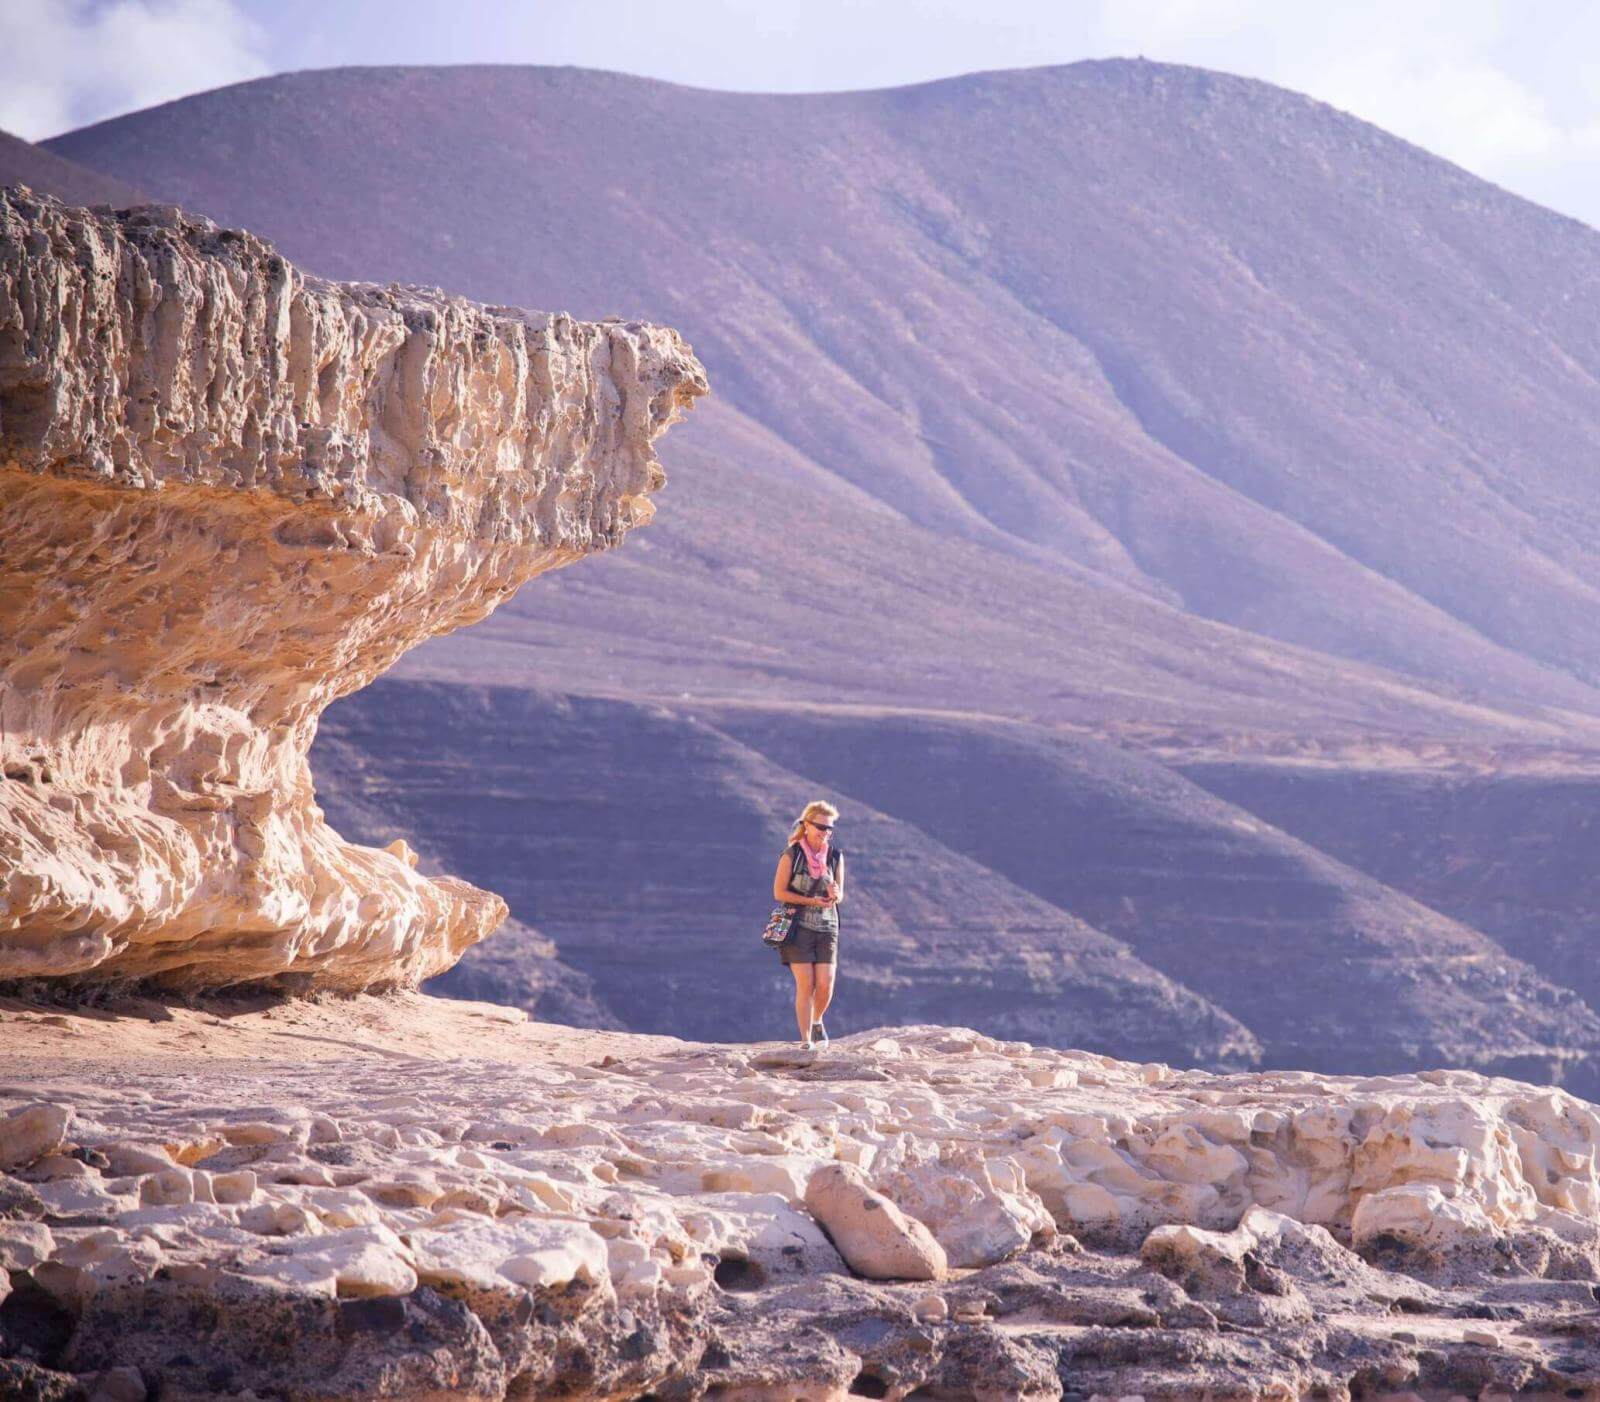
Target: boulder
[(31, 1132), (23, 1245), (364, 1262), (876, 1239), (979, 1210), (523, 1251)]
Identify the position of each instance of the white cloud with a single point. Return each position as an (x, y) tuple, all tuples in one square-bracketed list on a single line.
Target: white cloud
[(1465, 109), (65, 63), (1511, 92)]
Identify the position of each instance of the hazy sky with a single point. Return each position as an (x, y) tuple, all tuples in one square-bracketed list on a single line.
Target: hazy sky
[(1508, 88)]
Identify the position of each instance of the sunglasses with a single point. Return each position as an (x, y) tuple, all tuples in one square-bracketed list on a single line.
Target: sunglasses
[(821, 827)]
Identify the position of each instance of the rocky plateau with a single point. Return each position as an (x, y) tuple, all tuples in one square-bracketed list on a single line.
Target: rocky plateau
[(405, 1197)]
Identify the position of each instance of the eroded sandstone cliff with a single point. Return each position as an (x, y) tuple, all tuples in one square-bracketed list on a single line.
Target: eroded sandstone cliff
[(229, 493)]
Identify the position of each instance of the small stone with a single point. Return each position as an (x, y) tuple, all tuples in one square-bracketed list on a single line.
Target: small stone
[(930, 1309), (119, 1385), (172, 1187), (238, 1187), (28, 1134), (279, 1219), (18, 1201), (128, 1160), (52, 1168), (1487, 1337), (325, 1130), (23, 1245), (255, 1133), (409, 1190)]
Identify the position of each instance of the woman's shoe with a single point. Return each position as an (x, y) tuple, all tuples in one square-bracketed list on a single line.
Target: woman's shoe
[(819, 1035), (805, 1045)]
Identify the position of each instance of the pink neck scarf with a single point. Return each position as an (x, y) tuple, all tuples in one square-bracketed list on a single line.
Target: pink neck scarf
[(816, 862)]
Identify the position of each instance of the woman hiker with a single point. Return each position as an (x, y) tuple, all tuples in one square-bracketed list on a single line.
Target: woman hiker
[(810, 877)]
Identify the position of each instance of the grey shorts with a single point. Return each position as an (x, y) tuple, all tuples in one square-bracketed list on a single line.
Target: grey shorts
[(810, 946)]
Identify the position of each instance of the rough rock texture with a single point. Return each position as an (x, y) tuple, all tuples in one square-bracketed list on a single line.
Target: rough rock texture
[(230, 493), (523, 1223)]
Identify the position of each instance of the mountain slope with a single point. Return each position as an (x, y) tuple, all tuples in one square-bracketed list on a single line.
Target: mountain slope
[(1161, 406), (1210, 341), (643, 843), (1509, 853), (23, 163), (1326, 966)]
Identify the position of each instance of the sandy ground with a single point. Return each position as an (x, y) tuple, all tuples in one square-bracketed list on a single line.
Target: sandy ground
[(217, 1033)]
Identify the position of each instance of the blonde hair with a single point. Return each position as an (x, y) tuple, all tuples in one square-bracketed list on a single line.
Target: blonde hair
[(816, 808)]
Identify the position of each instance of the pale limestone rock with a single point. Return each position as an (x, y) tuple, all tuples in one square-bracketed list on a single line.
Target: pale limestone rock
[(1237, 1186), (128, 1159), (170, 1187), (785, 1175), (23, 1245), (979, 1210), (237, 1188), (52, 1168), (1209, 1262), (80, 1268), (341, 1207), (279, 1219), (366, 1261), (1418, 1214), (871, 1233), (71, 1197), (230, 493), (31, 1132), (300, 1274), (764, 1229), (411, 1189), (527, 1251)]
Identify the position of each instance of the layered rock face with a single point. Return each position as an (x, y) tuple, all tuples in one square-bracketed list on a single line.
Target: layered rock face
[(230, 493)]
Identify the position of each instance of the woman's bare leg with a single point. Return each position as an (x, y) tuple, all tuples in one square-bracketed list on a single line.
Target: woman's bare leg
[(822, 993), (802, 998)]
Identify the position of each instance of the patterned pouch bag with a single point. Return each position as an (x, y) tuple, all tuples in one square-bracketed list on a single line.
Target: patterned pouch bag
[(779, 925)]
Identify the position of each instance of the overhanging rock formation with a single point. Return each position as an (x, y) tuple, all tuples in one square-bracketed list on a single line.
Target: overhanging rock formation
[(229, 494)]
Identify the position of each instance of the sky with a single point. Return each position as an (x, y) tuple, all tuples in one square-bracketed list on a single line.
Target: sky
[(1510, 89)]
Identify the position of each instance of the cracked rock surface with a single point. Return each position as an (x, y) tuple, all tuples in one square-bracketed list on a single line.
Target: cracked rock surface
[(462, 1204)]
